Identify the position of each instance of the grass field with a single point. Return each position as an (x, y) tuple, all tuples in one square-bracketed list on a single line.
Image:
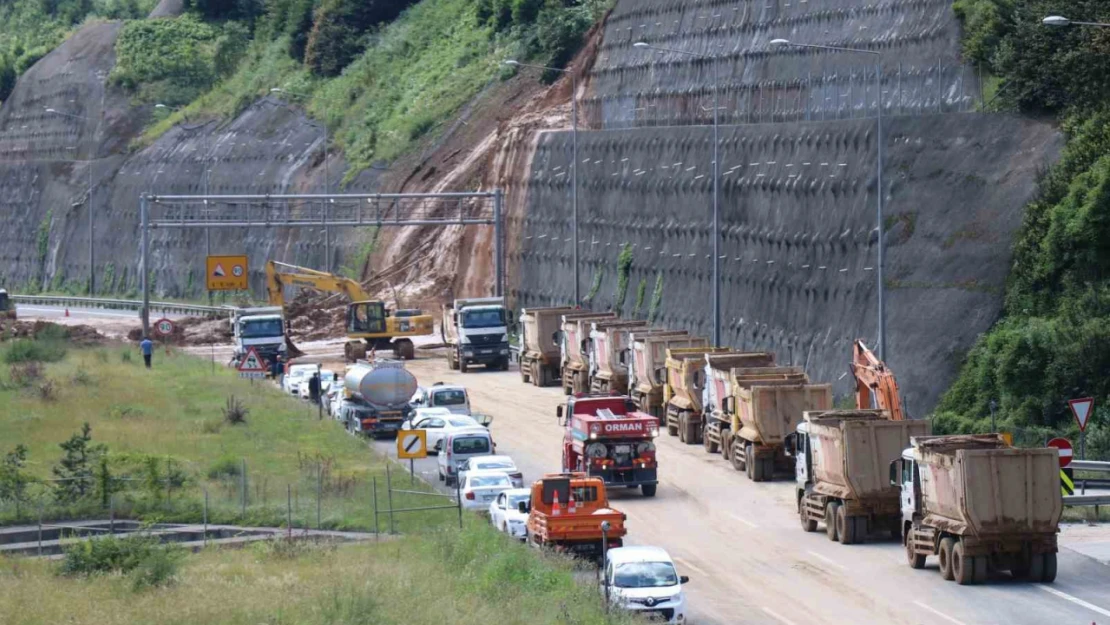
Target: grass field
[(165, 426), (476, 576)]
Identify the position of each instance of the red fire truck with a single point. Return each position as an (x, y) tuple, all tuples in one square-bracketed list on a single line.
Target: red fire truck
[(606, 437)]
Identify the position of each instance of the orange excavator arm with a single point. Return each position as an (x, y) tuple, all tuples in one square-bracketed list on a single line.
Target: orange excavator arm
[(875, 381)]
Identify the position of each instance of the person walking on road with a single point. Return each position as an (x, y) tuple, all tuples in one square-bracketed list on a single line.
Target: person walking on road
[(314, 388), (147, 347)]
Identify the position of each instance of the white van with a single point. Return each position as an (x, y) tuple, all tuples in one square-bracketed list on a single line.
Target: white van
[(644, 580), (458, 447)]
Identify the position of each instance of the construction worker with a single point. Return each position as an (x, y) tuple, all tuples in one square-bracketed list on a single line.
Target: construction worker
[(147, 347)]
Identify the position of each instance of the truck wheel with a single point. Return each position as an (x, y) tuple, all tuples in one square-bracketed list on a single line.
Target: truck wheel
[(831, 510), (808, 524), (452, 361), (708, 444), (1049, 574), (737, 459), (915, 560), (845, 527), (753, 464), (691, 430), (648, 489), (768, 468), (463, 366), (672, 430), (945, 552), (1036, 567), (963, 567), (726, 445), (681, 429), (406, 350)]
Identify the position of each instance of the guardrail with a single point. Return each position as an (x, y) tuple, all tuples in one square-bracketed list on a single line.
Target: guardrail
[(120, 304), (1090, 465), (1087, 500)]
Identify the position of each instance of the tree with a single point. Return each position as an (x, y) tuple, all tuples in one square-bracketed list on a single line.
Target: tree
[(13, 480), (337, 35), (74, 471)]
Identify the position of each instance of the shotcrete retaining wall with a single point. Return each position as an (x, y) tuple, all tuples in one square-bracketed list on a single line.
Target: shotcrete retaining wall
[(269, 148), (798, 214)]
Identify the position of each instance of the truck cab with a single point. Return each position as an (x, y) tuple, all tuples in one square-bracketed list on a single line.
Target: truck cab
[(606, 437), (797, 445), (477, 332), (265, 332), (904, 474)]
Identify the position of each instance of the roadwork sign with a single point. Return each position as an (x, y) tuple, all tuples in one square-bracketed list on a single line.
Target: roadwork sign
[(1063, 446), (412, 444), (1067, 482), (252, 365), (227, 273), (1081, 409)]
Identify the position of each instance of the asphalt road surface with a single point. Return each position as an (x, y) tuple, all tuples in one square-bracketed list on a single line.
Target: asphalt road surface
[(742, 546)]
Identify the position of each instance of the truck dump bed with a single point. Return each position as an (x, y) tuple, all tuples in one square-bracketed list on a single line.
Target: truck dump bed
[(852, 451), (609, 338), (766, 413), (686, 379), (976, 485), (721, 382), (649, 356), (538, 326), (576, 334)]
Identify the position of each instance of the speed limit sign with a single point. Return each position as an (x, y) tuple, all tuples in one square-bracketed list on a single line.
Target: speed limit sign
[(163, 327)]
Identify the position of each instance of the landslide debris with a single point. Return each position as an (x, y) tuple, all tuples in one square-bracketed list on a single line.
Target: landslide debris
[(77, 335)]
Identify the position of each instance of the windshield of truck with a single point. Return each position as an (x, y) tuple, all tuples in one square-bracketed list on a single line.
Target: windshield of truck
[(450, 398), (481, 318), (470, 445), (260, 328), (645, 575)]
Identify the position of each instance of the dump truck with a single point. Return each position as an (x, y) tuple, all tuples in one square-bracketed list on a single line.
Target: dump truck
[(647, 370), (979, 504), (540, 351), (376, 397), (685, 385), (574, 344), (762, 407), (607, 340), (840, 463), (262, 329), (720, 379), (565, 513), (604, 436), (476, 331)]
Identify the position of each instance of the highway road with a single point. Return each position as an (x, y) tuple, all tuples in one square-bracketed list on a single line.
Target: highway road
[(741, 543), (743, 547), (54, 313)]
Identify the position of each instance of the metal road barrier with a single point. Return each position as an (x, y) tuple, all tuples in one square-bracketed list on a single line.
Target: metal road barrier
[(1087, 500), (1090, 465), (121, 304)]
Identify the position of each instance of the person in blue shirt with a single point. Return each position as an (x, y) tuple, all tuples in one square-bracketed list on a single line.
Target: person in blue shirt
[(147, 347)]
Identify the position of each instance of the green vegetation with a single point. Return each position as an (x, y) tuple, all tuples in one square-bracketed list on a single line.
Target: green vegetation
[(641, 293), (595, 286), (656, 298), (140, 556), (624, 269), (1054, 340), (158, 439), (473, 577), (380, 85)]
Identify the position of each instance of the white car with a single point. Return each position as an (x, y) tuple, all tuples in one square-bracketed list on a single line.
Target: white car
[(644, 580), (503, 464), (438, 423), (505, 514), (480, 488), (327, 378), (291, 382)]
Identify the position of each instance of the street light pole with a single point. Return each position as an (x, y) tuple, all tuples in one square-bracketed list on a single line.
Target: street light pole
[(1058, 20), (716, 181), (879, 167), (574, 165), (92, 159), (327, 187)]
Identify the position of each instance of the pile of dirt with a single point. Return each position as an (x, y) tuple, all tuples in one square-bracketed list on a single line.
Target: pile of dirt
[(315, 316), (193, 331), (77, 335)]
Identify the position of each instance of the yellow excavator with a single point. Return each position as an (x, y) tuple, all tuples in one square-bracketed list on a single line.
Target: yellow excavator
[(370, 326)]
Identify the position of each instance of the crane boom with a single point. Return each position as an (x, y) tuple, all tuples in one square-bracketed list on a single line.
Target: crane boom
[(875, 383)]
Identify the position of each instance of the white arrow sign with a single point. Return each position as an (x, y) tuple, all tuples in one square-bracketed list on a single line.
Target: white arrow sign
[(1081, 408)]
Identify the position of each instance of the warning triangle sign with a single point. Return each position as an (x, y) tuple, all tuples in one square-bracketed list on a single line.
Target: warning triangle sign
[(219, 271), (252, 363), (1081, 408)]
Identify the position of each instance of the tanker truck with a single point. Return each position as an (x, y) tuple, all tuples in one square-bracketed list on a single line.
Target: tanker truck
[(376, 397), (840, 459), (979, 505)]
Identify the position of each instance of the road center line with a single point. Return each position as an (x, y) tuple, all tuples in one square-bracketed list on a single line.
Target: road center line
[(687, 564), (778, 617), (938, 613), (743, 520), (1076, 600), (828, 560)]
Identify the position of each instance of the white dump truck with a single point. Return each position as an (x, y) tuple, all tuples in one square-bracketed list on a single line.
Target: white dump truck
[(476, 332)]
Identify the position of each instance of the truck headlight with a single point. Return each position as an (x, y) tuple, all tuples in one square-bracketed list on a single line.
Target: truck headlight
[(504, 352)]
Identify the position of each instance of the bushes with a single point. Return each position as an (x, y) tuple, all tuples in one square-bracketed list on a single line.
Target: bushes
[(35, 350), (551, 29), (339, 31), (148, 563)]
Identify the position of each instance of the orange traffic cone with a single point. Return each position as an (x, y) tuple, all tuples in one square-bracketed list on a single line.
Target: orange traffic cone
[(67, 312), (556, 509), (571, 507)]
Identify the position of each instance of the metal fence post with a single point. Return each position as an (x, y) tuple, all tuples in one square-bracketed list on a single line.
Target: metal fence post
[(289, 510), (111, 513), (458, 497), (319, 493), (205, 517), (377, 530), (389, 495), (243, 487), (499, 245)]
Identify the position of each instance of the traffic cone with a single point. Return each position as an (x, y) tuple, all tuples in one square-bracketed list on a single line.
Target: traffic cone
[(571, 507), (67, 312), (556, 509)]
